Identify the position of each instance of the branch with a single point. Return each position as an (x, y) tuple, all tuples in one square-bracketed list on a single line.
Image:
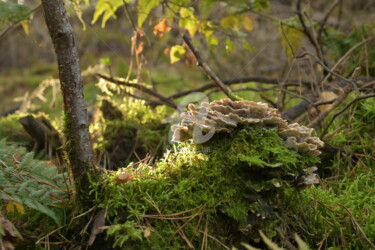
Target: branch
[(206, 69), (332, 70), (343, 110), (260, 79), (325, 19), (165, 100), (336, 103), (309, 32)]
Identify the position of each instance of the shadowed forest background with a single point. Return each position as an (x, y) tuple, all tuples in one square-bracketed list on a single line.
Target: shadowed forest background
[(144, 185)]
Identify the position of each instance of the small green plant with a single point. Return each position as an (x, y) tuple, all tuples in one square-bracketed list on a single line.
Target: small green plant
[(31, 187)]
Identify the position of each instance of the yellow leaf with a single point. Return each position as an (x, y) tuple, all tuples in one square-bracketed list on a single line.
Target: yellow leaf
[(230, 22), (12, 205), (247, 23), (248, 46), (25, 26), (144, 8), (290, 40), (229, 46), (177, 53), (188, 20)]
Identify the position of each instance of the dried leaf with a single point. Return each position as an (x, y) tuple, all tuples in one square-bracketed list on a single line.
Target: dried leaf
[(140, 47), (190, 60), (96, 229), (167, 51), (124, 177), (8, 228), (161, 28), (147, 232)]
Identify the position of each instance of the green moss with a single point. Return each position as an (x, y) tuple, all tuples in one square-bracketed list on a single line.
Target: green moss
[(342, 214), (229, 187), (129, 130), (339, 213)]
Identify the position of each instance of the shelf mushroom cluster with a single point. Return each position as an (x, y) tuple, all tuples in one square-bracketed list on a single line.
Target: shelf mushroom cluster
[(224, 116)]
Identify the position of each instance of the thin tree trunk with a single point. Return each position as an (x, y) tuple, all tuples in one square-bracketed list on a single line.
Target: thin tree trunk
[(78, 144)]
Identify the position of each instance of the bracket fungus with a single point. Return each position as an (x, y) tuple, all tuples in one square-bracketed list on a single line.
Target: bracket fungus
[(224, 116)]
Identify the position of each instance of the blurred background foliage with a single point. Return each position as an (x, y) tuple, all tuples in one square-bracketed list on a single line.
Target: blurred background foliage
[(140, 41)]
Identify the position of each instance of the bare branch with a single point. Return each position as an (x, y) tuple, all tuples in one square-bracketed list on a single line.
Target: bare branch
[(331, 71), (325, 19), (206, 69), (336, 103), (260, 79), (141, 88), (343, 110), (309, 32)]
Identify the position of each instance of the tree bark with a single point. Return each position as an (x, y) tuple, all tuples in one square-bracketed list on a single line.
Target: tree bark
[(78, 144)]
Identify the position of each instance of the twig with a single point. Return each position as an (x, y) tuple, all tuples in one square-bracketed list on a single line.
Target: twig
[(268, 100), (129, 16), (336, 103), (212, 237), (309, 32), (260, 79), (206, 69), (343, 110), (317, 104), (141, 88), (331, 71), (14, 25), (325, 19), (358, 226)]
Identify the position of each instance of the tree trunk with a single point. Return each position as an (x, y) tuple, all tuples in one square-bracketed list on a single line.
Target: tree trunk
[(78, 144)]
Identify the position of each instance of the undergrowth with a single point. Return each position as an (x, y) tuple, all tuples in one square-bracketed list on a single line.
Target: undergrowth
[(129, 131), (219, 193), (34, 193), (339, 214)]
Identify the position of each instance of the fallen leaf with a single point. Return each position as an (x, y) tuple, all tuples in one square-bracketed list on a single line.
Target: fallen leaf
[(96, 229), (147, 232), (124, 177)]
